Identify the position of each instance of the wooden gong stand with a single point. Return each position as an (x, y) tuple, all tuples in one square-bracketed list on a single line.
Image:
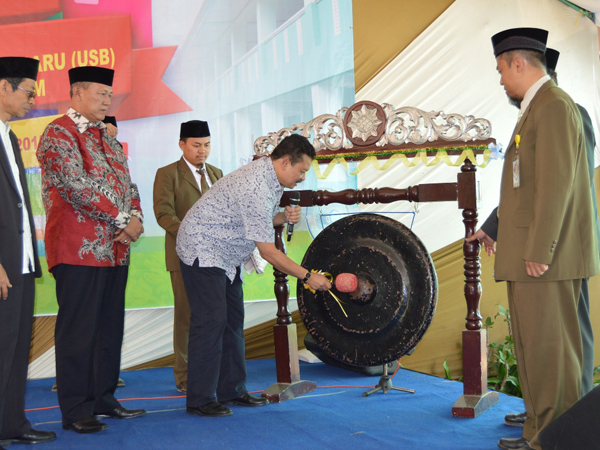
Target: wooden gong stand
[(475, 398)]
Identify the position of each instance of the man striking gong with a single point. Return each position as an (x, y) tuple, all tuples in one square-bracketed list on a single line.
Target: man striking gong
[(219, 234)]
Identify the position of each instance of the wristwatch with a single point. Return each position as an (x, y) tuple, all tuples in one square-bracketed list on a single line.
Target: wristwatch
[(306, 277)]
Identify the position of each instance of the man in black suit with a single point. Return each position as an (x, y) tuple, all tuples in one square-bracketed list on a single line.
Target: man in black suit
[(19, 264)]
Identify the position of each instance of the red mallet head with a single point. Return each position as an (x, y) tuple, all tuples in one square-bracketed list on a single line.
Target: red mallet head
[(346, 282)]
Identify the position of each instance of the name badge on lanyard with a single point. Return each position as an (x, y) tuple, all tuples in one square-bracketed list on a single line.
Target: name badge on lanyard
[(517, 165)]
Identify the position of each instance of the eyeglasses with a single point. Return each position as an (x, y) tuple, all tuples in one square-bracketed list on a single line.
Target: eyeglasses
[(31, 94)]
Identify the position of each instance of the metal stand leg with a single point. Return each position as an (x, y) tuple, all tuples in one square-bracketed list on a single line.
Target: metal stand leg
[(385, 385)]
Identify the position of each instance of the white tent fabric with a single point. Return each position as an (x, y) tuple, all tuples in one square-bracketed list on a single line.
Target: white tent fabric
[(451, 67), (149, 335)]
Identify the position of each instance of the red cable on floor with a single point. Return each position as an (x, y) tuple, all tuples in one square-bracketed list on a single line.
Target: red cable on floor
[(119, 399), (251, 392)]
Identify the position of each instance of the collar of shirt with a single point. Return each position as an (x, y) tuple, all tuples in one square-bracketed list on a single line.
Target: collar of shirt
[(82, 123), (195, 171), (192, 167), (531, 93), (5, 129), (8, 148), (272, 175)]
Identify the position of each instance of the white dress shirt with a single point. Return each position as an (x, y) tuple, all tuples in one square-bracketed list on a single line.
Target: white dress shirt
[(28, 264), (194, 169), (531, 93)]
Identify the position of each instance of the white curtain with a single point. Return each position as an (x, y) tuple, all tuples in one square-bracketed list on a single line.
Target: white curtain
[(451, 67), (149, 335)]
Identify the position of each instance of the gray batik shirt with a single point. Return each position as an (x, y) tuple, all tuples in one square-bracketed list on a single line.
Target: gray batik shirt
[(222, 227)]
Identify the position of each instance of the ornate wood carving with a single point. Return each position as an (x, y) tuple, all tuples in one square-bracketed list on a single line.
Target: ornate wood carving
[(367, 126)]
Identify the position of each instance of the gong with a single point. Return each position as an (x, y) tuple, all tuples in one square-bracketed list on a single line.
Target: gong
[(396, 296)]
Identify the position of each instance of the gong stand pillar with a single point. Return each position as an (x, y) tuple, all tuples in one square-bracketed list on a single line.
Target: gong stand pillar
[(475, 398), (288, 384)]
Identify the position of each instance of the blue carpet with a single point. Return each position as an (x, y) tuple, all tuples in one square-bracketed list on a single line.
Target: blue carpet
[(330, 417)]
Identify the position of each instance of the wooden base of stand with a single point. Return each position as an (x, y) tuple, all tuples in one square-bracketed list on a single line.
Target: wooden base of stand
[(289, 385), (476, 398), (280, 392), (471, 406)]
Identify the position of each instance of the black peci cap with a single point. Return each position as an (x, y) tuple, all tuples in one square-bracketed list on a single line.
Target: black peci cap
[(91, 74), (520, 39), (19, 67), (552, 58), (194, 129)]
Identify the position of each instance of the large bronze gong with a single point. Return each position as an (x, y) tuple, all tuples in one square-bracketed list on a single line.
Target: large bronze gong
[(396, 297)]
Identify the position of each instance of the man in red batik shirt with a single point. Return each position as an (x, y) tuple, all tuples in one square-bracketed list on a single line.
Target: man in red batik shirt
[(93, 214)]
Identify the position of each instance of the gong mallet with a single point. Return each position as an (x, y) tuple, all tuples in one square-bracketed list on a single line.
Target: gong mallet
[(344, 282)]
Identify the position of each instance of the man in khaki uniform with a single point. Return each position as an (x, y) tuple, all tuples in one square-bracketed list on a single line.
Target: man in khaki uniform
[(176, 188), (546, 239), (583, 307)]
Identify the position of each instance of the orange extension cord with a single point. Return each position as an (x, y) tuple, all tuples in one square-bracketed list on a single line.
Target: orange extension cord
[(252, 392)]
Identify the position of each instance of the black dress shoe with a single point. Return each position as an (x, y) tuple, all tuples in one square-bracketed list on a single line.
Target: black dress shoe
[(513, 444), (122, 413), (247, 400), (35, 437), (212, 409), (87, 425), (515, 420)]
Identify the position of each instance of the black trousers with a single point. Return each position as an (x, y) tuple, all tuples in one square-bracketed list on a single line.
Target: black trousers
[(16, 320), (88, 338), (217, 348)]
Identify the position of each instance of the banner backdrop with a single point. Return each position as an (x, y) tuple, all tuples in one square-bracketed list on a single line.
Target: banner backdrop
[(174, 61)]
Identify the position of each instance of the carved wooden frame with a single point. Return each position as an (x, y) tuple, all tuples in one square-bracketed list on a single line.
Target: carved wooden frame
[(384, 132)]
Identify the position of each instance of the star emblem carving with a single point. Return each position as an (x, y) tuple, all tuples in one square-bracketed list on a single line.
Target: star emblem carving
[(364, 123)]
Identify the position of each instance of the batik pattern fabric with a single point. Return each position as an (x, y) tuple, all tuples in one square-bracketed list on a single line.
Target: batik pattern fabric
[(87, 192), (222, 228)]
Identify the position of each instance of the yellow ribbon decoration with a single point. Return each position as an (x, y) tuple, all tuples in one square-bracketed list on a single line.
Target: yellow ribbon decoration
[(330, 278), (420, 157), (325, 274)]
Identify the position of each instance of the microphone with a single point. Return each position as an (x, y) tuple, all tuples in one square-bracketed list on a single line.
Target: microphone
[(294, 201)]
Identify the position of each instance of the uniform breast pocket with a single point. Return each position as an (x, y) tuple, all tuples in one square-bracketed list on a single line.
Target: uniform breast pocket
[(522, 219)]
